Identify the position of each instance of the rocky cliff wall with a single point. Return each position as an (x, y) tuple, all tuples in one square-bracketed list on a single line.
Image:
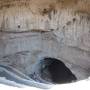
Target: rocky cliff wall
[(31, 30)]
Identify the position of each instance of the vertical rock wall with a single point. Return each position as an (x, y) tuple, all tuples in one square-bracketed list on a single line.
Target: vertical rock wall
[(30, 30)]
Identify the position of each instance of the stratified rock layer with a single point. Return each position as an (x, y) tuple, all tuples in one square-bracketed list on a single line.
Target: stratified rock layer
[(33, 29)]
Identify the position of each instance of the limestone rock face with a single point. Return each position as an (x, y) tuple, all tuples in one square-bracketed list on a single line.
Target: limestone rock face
[(34, 29)]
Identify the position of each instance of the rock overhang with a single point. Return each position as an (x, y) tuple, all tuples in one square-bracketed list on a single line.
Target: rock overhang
[(59, 30), (40, 14)]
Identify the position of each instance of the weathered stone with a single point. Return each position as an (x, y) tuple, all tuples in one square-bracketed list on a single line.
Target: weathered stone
[(33, 29)]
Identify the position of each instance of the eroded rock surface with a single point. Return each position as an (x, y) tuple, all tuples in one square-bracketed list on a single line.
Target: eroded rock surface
[(33, 29)]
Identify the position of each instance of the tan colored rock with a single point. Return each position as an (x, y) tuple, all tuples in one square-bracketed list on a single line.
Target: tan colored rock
[(32, 29)]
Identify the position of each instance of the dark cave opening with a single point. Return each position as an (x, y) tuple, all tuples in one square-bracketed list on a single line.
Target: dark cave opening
[(55, 71)]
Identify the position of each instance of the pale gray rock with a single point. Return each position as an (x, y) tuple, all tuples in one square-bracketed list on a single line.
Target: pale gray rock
[(27, 35)]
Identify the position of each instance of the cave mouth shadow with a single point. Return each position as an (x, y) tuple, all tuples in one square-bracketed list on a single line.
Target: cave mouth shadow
[(54, 71)]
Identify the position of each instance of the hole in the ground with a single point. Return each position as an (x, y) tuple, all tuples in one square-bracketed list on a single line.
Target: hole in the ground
[(54, 71)]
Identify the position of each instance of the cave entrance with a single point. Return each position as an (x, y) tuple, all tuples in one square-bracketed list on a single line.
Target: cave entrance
[(54, 71)]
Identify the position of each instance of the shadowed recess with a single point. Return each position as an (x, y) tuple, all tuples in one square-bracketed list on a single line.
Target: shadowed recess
[(54, 71)]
